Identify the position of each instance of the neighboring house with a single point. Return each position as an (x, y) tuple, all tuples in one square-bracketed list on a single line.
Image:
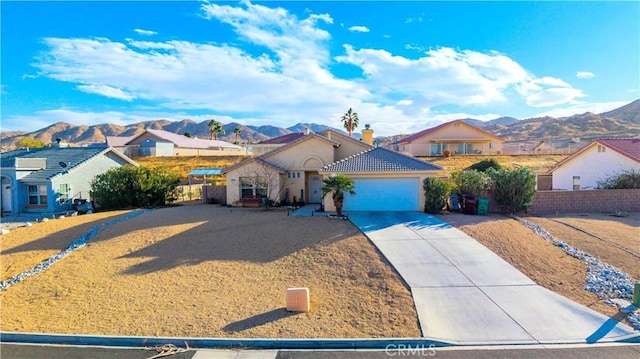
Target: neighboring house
[(559, 146), (290, 171), (163, 143), (456, 136), (598, 160), (273, 143), (49, 179), (385, 180)]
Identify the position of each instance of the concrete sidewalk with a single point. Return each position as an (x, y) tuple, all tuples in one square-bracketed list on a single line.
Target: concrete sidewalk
[(465, 293)]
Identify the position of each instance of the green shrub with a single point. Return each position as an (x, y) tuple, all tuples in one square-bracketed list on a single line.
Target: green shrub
[(131, 186), (627, 179), (435, 195), (484, 165), (474, 182), (513, 190)]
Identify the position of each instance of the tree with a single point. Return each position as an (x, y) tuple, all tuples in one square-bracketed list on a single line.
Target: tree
[(435, 195), (337, 185), (187, 134), (29, 143), (484, 165), (131, 186), (215, 129), (513, 190), (350, 120), (236, 132), (265, 181), (626, 179), (473, 182)]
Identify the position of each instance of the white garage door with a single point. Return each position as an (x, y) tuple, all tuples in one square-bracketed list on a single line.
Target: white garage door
[(384, 194)]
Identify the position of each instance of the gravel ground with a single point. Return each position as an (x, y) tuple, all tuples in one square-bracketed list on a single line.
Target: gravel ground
[(203, 271)]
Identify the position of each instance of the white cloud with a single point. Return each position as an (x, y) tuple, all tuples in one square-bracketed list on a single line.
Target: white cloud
[(289, 78), (145, 32), (106, 91), (585, 75), (358, 29)]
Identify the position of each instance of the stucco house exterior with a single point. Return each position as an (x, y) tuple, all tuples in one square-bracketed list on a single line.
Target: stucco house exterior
[(598, 160), (164, 143), (385, 180), (457, 136), (47, 180), (289, 172)]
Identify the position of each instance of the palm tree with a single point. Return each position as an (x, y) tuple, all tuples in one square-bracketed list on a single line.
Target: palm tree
[(212, 127), (237, 132), (350, 121), (215, 129), (337, 185)]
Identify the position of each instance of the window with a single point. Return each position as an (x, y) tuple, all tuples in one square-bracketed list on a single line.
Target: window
[(601, 148), (37, 194), (253, 187), (64, 192), (576, 183)]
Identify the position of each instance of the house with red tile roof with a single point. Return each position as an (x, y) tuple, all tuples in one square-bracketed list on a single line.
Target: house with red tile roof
[(459, 137), (601, 159)]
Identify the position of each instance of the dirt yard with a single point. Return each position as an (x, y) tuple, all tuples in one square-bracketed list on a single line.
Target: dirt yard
[(204, 271), (547, 264)]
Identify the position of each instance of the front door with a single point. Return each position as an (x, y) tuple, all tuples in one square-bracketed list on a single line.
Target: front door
[(7, 195), (315, 189)]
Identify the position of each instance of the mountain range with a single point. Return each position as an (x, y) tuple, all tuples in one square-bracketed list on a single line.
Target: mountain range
[(623, 121)]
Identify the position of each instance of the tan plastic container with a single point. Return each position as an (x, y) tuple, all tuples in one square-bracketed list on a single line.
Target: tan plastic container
[(298, 299)]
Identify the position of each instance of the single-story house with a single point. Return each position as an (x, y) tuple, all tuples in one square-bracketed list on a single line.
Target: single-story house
[(559, 146), (289, 173), (273, 143), (459, 137), (48, 180), (164, 143), (595, 162), (385, 180)]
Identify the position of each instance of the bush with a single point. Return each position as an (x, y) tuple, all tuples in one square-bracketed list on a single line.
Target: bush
[(473, 182), (446, 153), (435, 195), (484, 165), (513, 190), (627, 179), (131, 186)]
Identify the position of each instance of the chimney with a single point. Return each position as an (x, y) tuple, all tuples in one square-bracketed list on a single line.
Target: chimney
[(307, 131), (367, 135)]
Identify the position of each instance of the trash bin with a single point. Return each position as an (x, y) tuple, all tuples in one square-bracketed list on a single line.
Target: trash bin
[(454, 202), (483, 206), (469, 204)]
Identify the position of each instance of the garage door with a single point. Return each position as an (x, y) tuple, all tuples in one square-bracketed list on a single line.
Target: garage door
[(384, 194)]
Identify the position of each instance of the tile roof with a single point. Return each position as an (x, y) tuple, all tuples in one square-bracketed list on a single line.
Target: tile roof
[(284, 139), (330, 132), (380, 159), (629, 147), (72, 156), (441, 126)]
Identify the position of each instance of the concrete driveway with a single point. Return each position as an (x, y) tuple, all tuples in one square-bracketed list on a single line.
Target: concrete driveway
[(465, 293)]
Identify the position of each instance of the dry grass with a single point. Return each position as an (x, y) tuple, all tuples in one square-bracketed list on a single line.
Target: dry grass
[(207, 271), (533, 162), (182, 165)]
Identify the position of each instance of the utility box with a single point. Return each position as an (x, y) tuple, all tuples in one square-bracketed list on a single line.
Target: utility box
[(298, 299)]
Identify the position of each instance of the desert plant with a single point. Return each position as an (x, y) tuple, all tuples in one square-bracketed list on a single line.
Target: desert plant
[(473, 182), (484, 165), (626, 179), (446, 153), (337, 185), (435, 195), (513, 190), (29, 143)]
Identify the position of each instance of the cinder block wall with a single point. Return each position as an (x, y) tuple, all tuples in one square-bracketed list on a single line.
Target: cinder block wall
[(551, 202)]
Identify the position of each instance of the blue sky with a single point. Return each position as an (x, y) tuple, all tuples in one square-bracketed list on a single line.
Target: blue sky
[(402, 66)]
